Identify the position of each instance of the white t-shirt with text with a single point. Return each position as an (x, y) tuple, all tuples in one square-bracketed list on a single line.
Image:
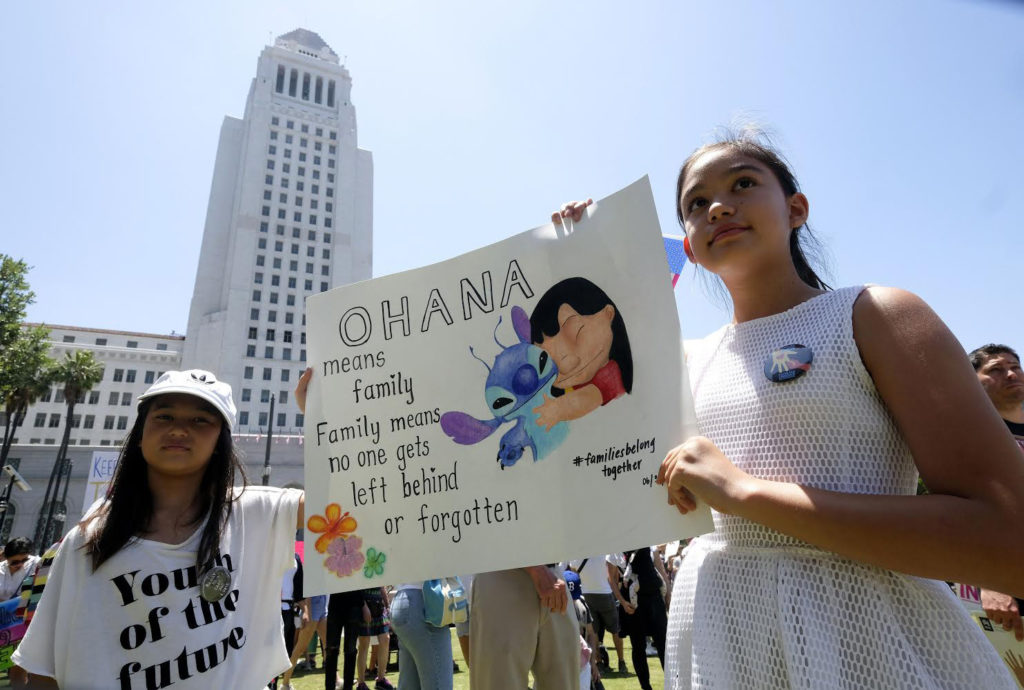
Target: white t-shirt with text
[(139, 622)]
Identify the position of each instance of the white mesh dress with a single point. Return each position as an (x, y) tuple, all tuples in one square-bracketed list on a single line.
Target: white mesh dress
[(755, 609)]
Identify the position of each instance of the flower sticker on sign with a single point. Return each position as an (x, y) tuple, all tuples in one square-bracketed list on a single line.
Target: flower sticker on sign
[(331, 525)]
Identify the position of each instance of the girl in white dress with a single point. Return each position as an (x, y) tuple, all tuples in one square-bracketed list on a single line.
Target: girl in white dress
[(819, 409)]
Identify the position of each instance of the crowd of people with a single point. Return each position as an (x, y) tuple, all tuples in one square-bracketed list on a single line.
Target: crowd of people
[(819, 410)]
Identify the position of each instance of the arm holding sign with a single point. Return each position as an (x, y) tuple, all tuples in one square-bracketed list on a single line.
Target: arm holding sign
[(1002, 610)]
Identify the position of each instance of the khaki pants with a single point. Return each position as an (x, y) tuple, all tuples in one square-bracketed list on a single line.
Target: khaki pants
[(512, 634)]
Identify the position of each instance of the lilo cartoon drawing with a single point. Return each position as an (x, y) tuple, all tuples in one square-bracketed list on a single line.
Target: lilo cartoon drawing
[(579, 326), (519, 380)]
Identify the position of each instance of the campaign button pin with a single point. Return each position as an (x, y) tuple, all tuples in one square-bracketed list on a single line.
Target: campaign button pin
[(788, 363)]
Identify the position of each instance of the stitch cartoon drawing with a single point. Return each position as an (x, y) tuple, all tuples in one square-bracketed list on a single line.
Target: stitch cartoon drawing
[(517, 383)]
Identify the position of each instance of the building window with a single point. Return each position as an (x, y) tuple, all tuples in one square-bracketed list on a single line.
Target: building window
[(309, 268), (303, 141), (260, 260), (288, 317), (308, 285), (287, 336), (297, 216), (256, 296), (279, 86), (89, 421), (122, 423), (296, 233), (118, 375), (261, 243), (54, 421), (327, 221), (254, 314), (277, 263), (129, 376), (330, 177), (150, 376), (286, 353), (284, 375), (327, 253), (302, 337), (281, 213), (310, 251), (295, 248), (101, 341), (291, 282), (40, 419), (108, 422), (252, 333), (271, 316), (126, 399), (272, 150), (275, 121), (264, 396), (287, 153), (293, 78), (266, 197), (316, 174), (286, 167), (330, 192), (288, 138), (312, 233), (290, 299), (58, 396), (246, 394), (293, 265), (305, 87), (268, 352), (282, 397), (270, 164), (273, 298), (325, 270), (76, 421), (69, 339), (330, 97), (281, 421), (278, 245), (275, 280), (243, 419), (334, 135), (319, 131), (263, 419), (270, 334), (250, 350), (247, 373), (94, 396), (299, 419), (302, 156), (280, 230), (323, 286), (264, 226), (316, 160), (267, 373)]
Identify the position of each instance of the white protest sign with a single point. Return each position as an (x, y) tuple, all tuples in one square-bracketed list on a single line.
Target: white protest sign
[(101, 472), (423, 452)]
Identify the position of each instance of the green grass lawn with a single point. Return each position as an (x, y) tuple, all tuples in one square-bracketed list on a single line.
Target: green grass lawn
[(314, 680)]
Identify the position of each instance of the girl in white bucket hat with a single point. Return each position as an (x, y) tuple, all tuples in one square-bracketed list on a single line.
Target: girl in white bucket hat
[(174, 578)]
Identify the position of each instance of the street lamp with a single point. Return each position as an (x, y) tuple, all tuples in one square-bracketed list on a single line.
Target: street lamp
[(16, 478)]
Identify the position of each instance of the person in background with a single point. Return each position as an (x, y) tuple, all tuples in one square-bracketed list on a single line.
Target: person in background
[(18, 564), (999, 372), (375, 623)]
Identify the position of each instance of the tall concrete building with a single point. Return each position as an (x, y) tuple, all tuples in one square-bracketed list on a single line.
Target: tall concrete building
[(290, 214)]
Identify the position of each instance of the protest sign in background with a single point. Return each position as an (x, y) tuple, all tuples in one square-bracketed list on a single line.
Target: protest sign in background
[(423, 452), (101, 472)]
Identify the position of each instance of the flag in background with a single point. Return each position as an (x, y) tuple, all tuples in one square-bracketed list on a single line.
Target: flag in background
[(676, 255)]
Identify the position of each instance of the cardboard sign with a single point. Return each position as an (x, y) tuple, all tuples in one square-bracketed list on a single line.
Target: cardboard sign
[(101, 472), (505, 408)]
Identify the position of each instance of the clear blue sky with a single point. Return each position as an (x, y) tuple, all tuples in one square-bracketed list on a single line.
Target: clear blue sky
[(904, 122)]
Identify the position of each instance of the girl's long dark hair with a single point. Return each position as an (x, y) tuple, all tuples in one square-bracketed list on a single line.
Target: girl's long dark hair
[(128, 508), (586, 299), (755, 143)]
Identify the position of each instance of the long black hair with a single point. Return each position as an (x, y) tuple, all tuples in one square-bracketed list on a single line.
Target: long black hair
[(128, 507), (754, 143), (586, 299)]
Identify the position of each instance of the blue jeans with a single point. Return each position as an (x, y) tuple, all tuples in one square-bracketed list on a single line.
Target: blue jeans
[(424, 652)]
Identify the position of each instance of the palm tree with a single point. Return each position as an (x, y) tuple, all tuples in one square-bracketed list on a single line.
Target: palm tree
[(27, 375), (79, 372)]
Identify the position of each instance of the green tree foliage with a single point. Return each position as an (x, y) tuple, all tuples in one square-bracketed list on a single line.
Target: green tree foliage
[(26, 372), (25, 365), (15, 296)]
